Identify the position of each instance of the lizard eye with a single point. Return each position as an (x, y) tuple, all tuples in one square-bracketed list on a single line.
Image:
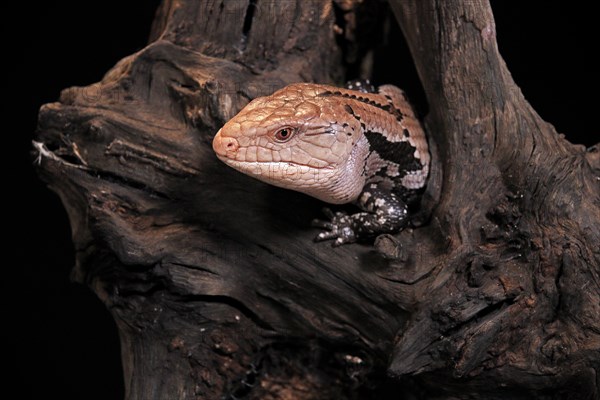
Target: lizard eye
[(284, 134)]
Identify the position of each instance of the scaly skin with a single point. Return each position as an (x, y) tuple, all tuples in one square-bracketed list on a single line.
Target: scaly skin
[(337, 145)]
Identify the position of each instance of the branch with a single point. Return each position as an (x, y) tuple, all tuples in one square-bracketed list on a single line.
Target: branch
[(517, 205)]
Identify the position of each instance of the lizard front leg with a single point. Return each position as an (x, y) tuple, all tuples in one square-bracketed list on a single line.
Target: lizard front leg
[(383, 212)]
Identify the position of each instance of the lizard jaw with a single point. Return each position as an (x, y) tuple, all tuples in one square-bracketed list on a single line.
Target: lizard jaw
[(315, 182)]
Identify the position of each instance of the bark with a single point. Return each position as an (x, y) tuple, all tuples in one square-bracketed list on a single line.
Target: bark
[(213, 279)]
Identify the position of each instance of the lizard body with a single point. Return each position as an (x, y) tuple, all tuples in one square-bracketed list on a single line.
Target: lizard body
[(337, 145)]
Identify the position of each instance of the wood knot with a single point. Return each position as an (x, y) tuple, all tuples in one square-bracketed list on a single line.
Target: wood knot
[(389, 247)]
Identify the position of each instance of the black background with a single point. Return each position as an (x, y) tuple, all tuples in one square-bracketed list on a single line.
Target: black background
[(60, 340)]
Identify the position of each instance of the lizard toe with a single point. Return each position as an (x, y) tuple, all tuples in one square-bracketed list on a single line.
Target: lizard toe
[(326, 236), (328, 213), (319, 223), (345, 235)]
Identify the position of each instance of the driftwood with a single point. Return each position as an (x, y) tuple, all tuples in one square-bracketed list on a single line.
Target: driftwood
[(213, 279)]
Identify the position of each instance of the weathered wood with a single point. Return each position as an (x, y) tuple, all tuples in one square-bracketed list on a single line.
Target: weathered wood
[(213, 279), (514, 300)]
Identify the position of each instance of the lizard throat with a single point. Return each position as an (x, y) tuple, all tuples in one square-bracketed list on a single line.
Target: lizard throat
[(328, 184)]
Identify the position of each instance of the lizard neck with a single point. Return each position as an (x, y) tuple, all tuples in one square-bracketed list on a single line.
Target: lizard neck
[(350, 179), (374, 112)]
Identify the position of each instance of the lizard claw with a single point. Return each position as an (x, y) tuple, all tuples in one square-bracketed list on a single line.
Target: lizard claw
[(339, 228), (319, 223), (329, 214), (329, 225)]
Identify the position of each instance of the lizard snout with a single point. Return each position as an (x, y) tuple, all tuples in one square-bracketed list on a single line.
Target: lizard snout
[(225, 146)]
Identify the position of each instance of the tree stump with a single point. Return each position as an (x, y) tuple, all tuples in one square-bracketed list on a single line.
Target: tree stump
[(213, 279)]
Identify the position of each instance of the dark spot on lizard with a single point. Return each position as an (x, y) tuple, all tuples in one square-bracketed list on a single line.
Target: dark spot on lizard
[(406, 133), (400, 153), (382, 172), (350, 111), (389, 108)]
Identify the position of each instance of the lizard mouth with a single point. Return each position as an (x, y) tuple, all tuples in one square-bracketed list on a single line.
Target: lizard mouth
[(274, 164)]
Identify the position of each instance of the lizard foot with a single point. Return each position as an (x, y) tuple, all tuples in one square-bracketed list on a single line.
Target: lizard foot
[(339, 227)]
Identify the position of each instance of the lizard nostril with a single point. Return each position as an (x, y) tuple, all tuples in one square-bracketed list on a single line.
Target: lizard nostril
[(225, 146)]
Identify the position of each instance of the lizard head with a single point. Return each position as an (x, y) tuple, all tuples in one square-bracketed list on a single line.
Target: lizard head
[(297, 139)]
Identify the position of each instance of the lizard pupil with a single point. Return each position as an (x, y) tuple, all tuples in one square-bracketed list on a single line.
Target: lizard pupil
[(283, 134)]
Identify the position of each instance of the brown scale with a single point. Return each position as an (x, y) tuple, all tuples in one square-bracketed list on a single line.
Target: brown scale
[(387, 113), (392, 131)]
